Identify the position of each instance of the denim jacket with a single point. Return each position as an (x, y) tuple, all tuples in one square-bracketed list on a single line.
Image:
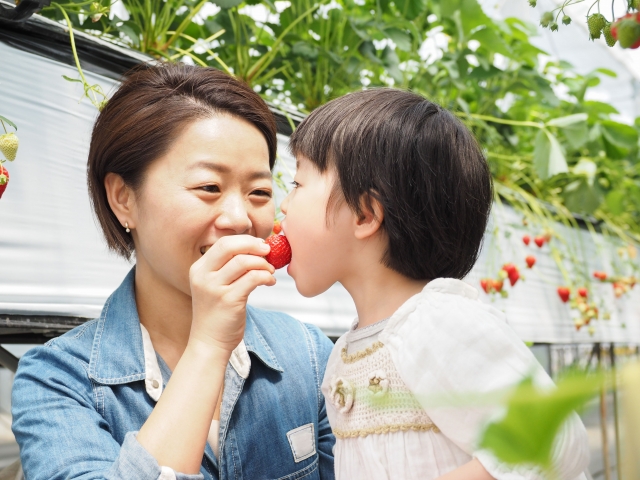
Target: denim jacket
[(79, 400)]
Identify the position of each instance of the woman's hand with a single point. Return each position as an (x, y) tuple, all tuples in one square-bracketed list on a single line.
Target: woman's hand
[(221, 282)]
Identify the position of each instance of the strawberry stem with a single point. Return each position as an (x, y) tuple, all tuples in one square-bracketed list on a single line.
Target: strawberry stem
[(3, 126)]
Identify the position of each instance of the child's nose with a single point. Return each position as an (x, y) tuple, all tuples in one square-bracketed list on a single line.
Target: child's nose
[(285, 204)]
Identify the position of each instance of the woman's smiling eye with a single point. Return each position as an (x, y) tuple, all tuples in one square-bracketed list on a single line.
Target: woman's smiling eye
[(262, 193), (211, 188)]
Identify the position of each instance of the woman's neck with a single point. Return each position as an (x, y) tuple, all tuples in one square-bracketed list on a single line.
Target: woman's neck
[(379, 291), (165, 311)]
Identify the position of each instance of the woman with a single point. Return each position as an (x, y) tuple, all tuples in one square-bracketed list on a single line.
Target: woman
[(179, 378)]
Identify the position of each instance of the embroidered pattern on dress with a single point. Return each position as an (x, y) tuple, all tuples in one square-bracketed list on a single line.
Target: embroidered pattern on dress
[(360, 354), (371, 398)]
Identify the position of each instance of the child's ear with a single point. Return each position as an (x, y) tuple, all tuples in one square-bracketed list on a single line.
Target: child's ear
[(370, 220)]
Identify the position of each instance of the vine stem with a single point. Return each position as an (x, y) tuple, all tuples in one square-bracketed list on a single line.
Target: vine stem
[(489, 118), (4, 127), (73, 43)]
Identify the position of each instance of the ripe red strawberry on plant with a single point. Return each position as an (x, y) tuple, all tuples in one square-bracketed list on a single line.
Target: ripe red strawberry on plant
[(4, 179), (512, 272), (627, 30), (583, 292), (280, 254), (564, 293), (497, 285), (526, 239), (539, 241), (602, 276), (531, 261), (485, 284)]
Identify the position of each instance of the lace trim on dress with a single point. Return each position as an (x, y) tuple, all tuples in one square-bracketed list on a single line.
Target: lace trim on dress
[(385, 429), (360, 354)]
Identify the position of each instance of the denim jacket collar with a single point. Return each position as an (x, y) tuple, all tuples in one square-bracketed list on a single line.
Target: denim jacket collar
[(118, 351)]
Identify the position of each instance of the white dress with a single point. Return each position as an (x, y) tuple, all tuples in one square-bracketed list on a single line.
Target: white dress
[(391, 399)]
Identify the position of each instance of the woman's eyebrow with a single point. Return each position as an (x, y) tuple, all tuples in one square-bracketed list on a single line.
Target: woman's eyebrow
[(216, 167)]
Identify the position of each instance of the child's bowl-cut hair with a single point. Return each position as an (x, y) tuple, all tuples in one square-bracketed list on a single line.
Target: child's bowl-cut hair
[(419, 161)]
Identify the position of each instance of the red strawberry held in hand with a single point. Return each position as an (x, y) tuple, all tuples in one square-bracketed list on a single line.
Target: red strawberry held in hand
[(583, 292), (280, 254), (526, 239), (539, 241), (564, 293), (4, 179), (531, 261)]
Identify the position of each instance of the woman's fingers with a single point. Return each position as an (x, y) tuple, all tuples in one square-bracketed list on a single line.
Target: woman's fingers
[(228, 247), (239, 266), (248, 282)]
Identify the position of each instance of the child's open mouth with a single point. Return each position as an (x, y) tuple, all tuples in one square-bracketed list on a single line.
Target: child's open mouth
[(204, 249)]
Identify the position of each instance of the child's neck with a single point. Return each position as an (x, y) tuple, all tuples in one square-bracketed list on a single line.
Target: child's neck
[(379, 291)]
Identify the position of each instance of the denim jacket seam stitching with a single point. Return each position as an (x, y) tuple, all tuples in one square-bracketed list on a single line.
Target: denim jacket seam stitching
[(84, 328), (98, 336), (97, 398), (264, 343), (312, 467)]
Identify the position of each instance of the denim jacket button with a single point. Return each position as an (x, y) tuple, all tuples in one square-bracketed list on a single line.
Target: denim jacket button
[(155, 384)]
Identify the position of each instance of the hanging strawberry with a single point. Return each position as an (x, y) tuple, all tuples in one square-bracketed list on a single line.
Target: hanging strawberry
[(531, 261), (512, 272), (583, 292), (627, 30), (602, 276), (526, 240), (539, 241), (564, 293), (486, 284), (4, 179)]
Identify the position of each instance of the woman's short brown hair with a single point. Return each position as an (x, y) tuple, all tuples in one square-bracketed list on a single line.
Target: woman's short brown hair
[(145, 115)]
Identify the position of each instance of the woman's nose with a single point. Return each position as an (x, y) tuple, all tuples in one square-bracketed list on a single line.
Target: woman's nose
[(234, 215)]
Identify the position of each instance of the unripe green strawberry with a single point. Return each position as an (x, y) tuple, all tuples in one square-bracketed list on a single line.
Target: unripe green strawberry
[(608, 36), (566, 19), (554, 27), (533, 3), (9, 146), (4, 179), (596, 23), (546, 19)]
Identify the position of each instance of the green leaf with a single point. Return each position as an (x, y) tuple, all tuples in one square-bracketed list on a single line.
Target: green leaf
[(471, 12), (606, 71), (401, 38), (305, 50), (568, 120), (574, 128), (69, 79), (226, 4), (490, 40), (548, 158), (581, 197), (410, 9), (615, 201), (5, 119), (525, 435), (619, 134)]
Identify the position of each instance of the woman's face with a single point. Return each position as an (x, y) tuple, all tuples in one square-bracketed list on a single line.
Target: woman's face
[(214, 181)]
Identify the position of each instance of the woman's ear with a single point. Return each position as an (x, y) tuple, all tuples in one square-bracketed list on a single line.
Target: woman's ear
[(121, 199), (370, 220)]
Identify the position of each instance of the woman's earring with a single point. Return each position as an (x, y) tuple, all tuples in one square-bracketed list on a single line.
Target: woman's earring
[(126, 227)]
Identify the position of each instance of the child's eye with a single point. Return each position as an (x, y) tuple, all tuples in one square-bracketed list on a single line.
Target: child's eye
[(211, 188), (262, 193), (295, 184)]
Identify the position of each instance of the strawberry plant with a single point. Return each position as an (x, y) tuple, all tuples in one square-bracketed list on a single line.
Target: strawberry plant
[(9, 148), (624, 29)]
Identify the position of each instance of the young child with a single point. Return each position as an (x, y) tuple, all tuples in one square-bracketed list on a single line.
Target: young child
[(391, 199)]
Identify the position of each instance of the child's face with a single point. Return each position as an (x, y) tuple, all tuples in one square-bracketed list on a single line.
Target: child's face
[(321, 249)]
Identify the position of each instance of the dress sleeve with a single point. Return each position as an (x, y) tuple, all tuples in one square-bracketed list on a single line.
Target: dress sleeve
[(60, 432), (448, 350)]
